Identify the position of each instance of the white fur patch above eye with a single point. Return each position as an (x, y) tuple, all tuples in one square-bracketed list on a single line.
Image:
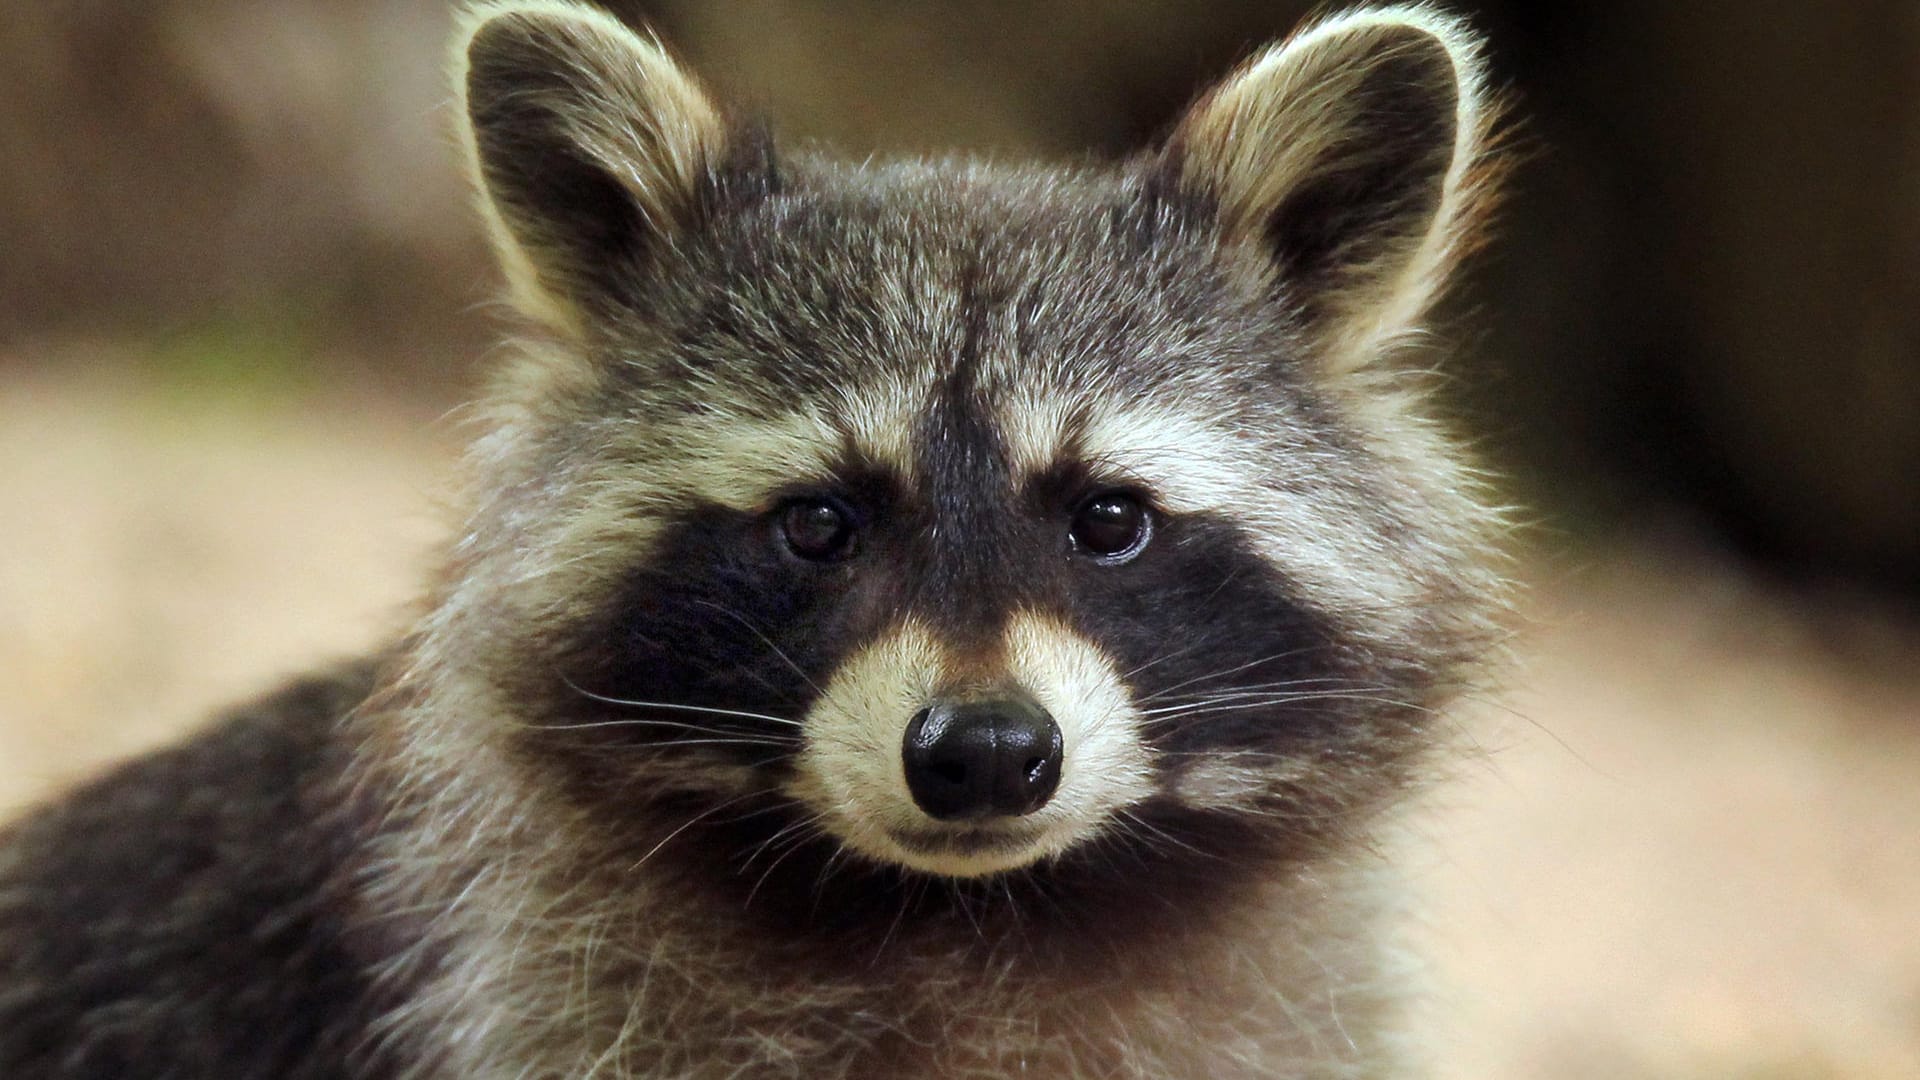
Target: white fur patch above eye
[(741, 461), (1037, 427), (617, 510), (879, 416), (1183, 462), (1192, 463), (1187, 465)]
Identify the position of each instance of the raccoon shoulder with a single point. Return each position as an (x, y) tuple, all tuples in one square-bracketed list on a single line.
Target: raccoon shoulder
[(178, 915)]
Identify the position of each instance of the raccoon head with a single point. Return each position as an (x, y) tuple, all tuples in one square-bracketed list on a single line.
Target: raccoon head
[(966, 519)]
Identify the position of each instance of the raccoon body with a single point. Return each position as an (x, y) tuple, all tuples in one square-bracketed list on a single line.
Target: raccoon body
[(918, 618)]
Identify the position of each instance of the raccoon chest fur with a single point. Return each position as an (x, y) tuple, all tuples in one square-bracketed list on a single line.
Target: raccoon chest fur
[(915, 618), (994, 1003)]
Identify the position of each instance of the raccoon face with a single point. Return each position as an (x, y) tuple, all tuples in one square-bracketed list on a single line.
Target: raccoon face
[(971, 519)]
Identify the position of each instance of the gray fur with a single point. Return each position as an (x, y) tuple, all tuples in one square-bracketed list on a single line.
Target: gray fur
[(446, 863)]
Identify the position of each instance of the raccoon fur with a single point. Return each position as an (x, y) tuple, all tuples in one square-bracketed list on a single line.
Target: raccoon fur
[(915, 618)]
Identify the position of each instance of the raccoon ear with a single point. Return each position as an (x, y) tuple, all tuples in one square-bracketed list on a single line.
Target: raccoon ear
[(1348, 154), (591, 147)]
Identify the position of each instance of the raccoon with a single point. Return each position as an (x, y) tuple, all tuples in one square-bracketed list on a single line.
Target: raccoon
[(917, 618)]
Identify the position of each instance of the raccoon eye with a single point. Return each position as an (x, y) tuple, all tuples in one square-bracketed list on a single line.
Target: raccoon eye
[(1112, 526), (818, 530)]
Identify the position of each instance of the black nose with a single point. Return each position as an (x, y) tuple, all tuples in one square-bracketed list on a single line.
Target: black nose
[(998, 757)]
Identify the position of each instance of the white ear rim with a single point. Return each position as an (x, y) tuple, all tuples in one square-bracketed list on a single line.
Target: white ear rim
[(689, 129), (1405, 298)]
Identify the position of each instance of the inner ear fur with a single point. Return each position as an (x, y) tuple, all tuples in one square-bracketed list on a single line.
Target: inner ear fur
[(591, 147), (1350, 156)]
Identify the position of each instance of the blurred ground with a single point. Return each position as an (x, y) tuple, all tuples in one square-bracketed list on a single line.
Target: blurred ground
[(165, 551), (1693, 849)]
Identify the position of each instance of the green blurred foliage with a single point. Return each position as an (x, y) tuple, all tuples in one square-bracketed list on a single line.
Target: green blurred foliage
[(239, 357)]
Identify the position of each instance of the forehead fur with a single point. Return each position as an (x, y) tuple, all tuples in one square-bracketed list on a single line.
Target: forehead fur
[(819, 325), (921, 273)]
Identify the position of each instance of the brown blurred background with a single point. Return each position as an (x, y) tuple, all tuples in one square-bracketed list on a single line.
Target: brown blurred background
[(239, 281)]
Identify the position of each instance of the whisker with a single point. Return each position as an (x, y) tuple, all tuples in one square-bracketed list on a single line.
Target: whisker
[(764, 639), (1233, 754), (801, 831), (1161, 659), (1163, 691), (688, 824), (1141, 824), (1291, 699), (827, 868), (765, 744), (910, 895), (789, 829), (1188, 714), (1278, 684), (671, 725), (1276, 697), (677, 707)]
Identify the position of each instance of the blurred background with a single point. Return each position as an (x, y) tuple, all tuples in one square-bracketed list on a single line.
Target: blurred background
[(241, 290)]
